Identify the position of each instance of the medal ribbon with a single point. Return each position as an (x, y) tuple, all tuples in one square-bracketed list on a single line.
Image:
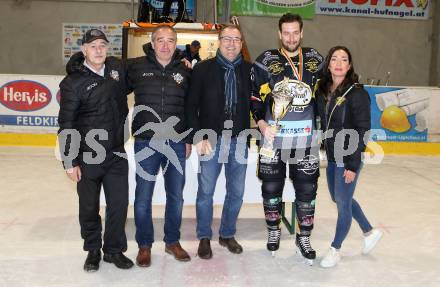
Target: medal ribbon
[(297, 72)]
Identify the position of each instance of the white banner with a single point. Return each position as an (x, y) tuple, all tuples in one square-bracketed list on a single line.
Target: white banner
[(29, 102), (399, 9)]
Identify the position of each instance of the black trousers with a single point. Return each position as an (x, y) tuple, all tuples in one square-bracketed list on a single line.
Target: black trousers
[(112, 174)]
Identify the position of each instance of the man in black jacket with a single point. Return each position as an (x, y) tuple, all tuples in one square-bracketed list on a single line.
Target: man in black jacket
[(219, 101), (160, 82), (92, 114)]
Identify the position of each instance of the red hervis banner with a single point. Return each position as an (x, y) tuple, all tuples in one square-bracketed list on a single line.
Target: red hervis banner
[(398, 9), (29, 103)]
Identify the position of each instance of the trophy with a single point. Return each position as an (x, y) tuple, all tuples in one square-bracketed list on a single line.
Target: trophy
[(282, 99), (285, 94)]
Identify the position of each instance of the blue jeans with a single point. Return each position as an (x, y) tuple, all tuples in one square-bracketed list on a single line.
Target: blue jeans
[(148, 163), (342, 194), (235, 173)]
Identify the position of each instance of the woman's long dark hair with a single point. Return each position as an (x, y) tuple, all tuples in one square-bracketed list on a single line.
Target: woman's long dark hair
[(326, 80)]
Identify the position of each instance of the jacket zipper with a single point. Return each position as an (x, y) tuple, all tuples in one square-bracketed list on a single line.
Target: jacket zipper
[(162, 96)]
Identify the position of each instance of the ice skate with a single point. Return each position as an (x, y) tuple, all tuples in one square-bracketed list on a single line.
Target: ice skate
[(273, 239), (305, 249)]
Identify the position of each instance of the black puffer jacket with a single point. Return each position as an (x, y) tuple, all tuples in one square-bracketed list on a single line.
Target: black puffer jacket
[(351, 115), (161, 89), (89, 102)]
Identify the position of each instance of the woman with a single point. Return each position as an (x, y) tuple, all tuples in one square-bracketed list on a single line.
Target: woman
[(344, 108)]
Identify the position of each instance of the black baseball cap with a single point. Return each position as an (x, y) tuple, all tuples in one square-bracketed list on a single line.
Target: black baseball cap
[(195, 43), (92, 35)]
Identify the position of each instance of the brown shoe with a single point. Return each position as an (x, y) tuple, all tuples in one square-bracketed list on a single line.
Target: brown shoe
[(231, 244), (177, 251), (143, 258), (204, 251)]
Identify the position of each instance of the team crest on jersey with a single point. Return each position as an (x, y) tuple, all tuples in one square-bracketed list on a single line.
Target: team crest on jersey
[(268, 57), (312, 65), (309, 164), (276, 68), (178, 78), (114, 75), (313, 54)]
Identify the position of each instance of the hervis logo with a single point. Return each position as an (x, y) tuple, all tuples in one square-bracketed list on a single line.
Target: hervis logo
[(58, 96), (24, 95)]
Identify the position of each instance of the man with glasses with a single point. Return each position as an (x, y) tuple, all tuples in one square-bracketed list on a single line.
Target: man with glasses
[(219, 102)]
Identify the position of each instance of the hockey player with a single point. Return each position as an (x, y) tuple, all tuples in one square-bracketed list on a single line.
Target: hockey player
[(294, 70)]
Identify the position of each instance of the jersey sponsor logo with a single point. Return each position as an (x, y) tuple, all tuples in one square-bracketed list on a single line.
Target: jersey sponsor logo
[(294, 128), (276, 68), (270, 160), (296, 109), (147, 74), (309, 164), (24, 95), (312, 65), (313, 54), (268, 56)]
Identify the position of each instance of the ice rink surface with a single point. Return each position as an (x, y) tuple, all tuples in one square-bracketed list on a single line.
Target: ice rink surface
[(41, 244)]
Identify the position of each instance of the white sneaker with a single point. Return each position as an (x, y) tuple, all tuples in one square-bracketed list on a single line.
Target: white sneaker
[(371, 240), (331, 258)]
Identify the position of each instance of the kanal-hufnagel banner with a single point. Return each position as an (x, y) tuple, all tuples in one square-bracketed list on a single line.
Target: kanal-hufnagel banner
[(399, 9), (306, 8)]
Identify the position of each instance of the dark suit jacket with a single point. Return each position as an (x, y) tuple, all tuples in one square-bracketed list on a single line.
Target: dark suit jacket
[(204, 107)]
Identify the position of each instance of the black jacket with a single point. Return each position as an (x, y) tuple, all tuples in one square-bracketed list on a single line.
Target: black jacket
[(89, 102), (206, 101), (351, 114), (161, 89)]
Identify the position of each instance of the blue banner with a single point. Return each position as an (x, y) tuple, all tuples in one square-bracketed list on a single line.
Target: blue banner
[(30, 121), (398, 112)]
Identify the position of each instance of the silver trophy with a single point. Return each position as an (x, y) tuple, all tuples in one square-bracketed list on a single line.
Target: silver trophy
[(285, 94)]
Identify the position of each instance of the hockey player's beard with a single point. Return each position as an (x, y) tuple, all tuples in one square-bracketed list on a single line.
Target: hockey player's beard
[(291, 49)]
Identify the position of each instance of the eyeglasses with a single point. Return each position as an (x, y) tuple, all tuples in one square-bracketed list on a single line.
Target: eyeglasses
[(229, 40)]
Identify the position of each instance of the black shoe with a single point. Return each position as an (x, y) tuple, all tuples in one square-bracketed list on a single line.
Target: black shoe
[(231, 244), (92, 261), (204, 250), (119, 259)]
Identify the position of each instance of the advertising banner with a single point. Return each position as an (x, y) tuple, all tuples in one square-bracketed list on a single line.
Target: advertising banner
[(29, 102), (73, 32), (306, 8), (398, 9), (405, 114)]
